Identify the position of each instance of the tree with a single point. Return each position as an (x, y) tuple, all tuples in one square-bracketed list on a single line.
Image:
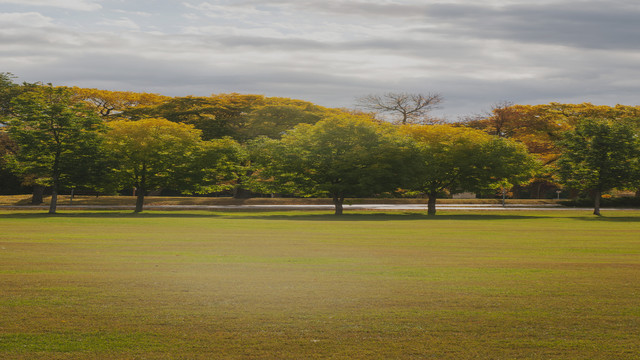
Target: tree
[(403, 107), (56, 137), (242, 117), (599, 155), (112, 103), (7, 93), (340, 156), (272, 120), (154, 153), (460, 159), (219, 164), (9, 182), (540, 127), (216, 116)]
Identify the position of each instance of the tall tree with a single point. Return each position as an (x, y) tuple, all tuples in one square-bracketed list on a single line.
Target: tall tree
[(459, 159), (341, 156), (155, 153), (402, 107), (55, 137), (598, 156)]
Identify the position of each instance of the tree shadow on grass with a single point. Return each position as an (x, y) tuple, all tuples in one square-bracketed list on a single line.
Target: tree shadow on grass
[(622, 219), (260, 215), (105, 214), (310, 215), (387, 217)]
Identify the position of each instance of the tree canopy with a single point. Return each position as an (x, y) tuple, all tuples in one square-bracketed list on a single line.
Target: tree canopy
[(153, 153), (460, 159), (339, 156), (600, 155), (57, 139)]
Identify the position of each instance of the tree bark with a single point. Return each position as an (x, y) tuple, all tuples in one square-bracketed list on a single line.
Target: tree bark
[(53, 204), (141, 189), (596, 202), (337, 202), (431, 204), (139, 200), (38, 194)]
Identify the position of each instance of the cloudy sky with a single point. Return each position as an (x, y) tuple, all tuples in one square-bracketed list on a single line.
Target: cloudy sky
[(474, 53)]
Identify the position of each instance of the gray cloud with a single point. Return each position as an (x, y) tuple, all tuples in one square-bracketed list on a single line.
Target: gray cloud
[(331, 52), (597, 25)]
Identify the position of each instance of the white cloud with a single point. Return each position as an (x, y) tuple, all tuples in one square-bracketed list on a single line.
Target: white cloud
[(121, 23), (30, 19), (79, 5)]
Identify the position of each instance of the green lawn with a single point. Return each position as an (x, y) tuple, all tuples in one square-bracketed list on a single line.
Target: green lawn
[(293, 285)]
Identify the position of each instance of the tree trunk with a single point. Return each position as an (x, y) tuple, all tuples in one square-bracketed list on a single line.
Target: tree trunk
[(241, 193), (596, 202), (139, 200), (53, 204), (431, 204), (141, 189), (337, 202), (638, 193), (38, 194)]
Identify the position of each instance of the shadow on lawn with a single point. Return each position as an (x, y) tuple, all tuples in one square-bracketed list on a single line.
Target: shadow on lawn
[(293, 215), (605, 218), (306, 216), (386, 217), (106, 214)]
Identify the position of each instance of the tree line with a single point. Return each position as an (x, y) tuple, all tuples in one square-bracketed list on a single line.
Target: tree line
[(64, 138)]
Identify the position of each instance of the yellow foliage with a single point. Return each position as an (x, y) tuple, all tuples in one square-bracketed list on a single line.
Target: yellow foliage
[(444, 133), (108, 102)]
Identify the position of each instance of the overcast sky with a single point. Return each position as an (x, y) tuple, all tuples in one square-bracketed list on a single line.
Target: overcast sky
[(474, 53)]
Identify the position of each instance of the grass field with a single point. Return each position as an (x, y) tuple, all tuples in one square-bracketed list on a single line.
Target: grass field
[(19, 200), (292, 285)]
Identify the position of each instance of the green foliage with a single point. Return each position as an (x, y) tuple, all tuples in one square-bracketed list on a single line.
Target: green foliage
[(9, 182), (59, 141), (7, 91), (598, 156), (340, 156), (242, 117), (218, 164), (216, 116), (459, 159), (153, 153), (273, 120)]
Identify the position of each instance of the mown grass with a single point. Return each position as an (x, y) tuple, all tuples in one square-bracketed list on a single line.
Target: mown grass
[(305, 285), (19, 200)]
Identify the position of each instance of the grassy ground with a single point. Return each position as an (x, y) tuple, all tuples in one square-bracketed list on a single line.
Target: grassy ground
[(292, 285), (178, 200)]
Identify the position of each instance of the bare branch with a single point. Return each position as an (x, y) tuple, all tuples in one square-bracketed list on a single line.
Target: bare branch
[(405, 107)]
